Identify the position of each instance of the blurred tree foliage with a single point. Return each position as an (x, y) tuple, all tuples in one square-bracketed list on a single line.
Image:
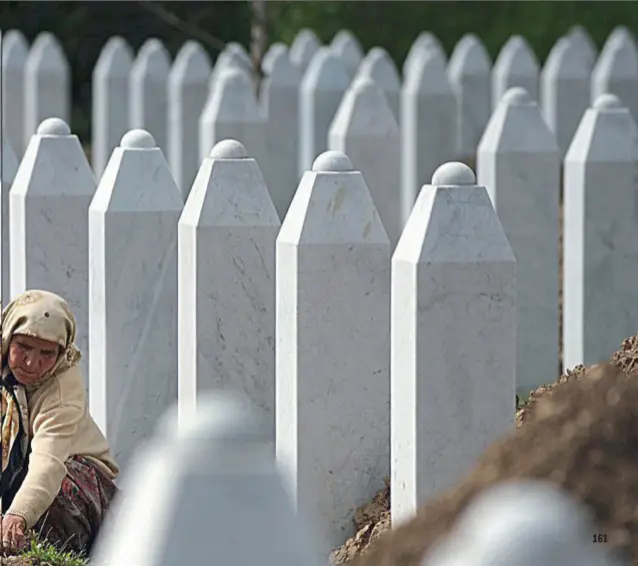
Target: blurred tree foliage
[(84, 27)]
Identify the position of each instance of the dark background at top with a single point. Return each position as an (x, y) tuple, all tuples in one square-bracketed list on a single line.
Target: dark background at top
[(84, 27)]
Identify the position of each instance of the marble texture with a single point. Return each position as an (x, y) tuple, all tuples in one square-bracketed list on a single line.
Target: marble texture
[(322, 87), (215, 488), (226, 271), (428, 134), (47, 84), (303, 48), (379, 66), (425, 43), (516, 65), (8, 168), (133, 293), (366, 130), (332, 354), (453, 338), (231, 112), (13, 63), (49, 203), (469, 73), (616, 71), (564, 90), (148, 105), (535, 516), (279, 101), (600, 264), (187, 94), (522, 175), (347, 47), (110, 100)]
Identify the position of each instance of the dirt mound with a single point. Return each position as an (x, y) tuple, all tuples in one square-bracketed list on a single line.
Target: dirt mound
[(558, 440)]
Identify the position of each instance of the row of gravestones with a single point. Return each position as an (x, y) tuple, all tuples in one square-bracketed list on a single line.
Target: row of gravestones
[(324, 277), (212, 479), (188, 108)]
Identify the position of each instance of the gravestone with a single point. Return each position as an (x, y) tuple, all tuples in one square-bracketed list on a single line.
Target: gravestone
[(110, 100), (49, 204), (516, 65), (187, 94), (303, 48), (274, 52), (332, 354), (600, 264), (15, 51), (379, 66), (453, 333), (579, 35), (425, 43), (522, 176), (226, 270), (133, 293), (346, 46), (8, 168)]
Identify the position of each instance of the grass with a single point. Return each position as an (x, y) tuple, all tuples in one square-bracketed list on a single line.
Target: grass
[(39, 552)]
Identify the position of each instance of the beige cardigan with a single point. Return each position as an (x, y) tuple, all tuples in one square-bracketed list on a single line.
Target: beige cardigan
[(59, 427)]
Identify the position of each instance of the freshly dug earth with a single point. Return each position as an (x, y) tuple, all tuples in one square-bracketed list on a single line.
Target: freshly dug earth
[(580, 433)]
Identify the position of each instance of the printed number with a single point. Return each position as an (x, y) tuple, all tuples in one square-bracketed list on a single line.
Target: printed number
[(600, 537)]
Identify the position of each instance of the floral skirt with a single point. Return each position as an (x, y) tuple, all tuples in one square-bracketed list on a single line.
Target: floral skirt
[(74, 518)]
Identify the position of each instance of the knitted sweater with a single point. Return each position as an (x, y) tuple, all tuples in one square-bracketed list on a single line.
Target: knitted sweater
[(59, 427)]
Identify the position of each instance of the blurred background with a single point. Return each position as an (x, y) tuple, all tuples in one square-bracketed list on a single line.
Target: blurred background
[(84, 27)]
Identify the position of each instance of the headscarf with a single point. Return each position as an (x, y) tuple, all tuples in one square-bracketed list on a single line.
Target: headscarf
[(40, 314)]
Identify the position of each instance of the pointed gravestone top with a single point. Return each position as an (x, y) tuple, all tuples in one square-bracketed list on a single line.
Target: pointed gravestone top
[(191, 64), (364, 110), (426, 42), (584, 42), (620, 34), (517, 58), (152, 59), (517, 112), (233, 98), (46, 54), (428, 76), (14, 48), (379, 66), (326, 72), (566, 60), (469, 58), (346, 46), (618, 59), (303, 48), (281, 71), (116, 59), (275, 50)]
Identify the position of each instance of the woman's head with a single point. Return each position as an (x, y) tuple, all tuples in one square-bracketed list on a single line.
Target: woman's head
[(38, 334)]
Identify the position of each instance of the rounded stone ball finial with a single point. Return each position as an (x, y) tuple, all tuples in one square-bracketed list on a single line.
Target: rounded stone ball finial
[(138, 139), (332, 161), (454, 173), (517, 96), (53, 127), (229, 149), (607, 101)]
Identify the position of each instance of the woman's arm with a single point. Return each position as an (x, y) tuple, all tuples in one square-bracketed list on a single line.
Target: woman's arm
[(54, 428)]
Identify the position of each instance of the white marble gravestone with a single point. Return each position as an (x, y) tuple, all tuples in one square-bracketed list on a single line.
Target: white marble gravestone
[(600, 263), (347, 47), (206, 491), (516, 65), (49, 204), (379, 66), (564, 90), (425, 43), (366, 130), (8, 168), (453, 356), (579, 35), (274, 52), (226, 270), (303, 48), (232, 112), (469, 73), (187, 95), (148, 85), (522, 176), (323, 85), (332, 354), (428, 126), (133, 293), (110, 100), (14, 56), (47, 84)]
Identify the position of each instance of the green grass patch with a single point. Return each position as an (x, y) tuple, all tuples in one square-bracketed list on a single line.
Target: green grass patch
[(39, 552)]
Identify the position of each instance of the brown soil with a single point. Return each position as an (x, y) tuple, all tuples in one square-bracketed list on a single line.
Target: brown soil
[(580, 433)]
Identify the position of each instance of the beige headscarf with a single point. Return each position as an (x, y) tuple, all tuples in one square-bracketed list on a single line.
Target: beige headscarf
[(44, 315)]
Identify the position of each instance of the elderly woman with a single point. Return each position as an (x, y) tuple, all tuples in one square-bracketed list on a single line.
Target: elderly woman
[(57, 473)]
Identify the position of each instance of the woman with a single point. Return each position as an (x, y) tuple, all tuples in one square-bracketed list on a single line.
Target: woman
[(57, 473)]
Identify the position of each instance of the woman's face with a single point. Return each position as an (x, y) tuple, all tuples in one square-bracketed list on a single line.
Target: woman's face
[(30, 358)]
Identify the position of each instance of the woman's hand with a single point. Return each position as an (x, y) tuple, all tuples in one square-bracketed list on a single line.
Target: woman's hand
[(13, 529)]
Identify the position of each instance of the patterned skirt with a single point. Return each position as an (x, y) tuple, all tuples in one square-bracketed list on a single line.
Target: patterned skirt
[(74, 518)]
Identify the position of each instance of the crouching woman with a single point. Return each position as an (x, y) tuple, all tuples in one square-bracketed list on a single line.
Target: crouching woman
[(57, 472)]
